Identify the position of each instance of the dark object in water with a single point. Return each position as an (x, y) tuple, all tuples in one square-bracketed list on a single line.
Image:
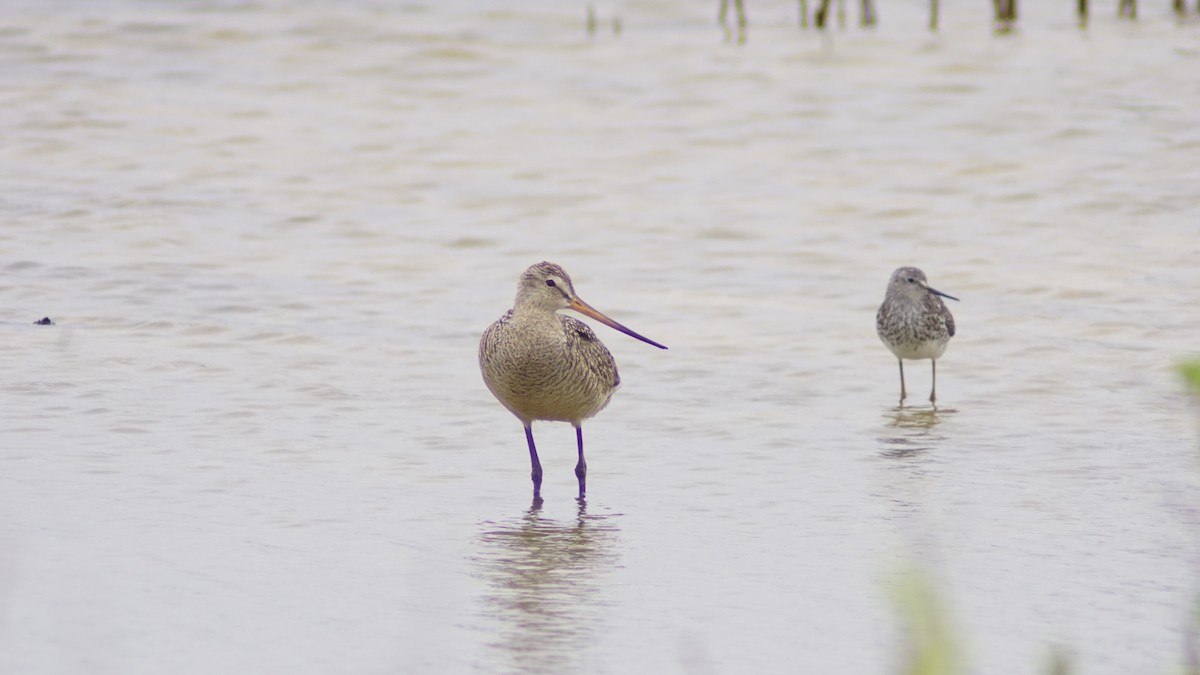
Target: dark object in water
[(867, 14), (821, 14), (1006, 14), (44, 321)]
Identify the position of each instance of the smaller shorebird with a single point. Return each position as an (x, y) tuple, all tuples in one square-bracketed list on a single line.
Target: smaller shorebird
[(914, 323), (544, 366)]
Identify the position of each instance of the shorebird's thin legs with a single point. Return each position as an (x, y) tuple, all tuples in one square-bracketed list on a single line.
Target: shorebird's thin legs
[(581, 466), (537, 465), (933, 392), (903, 394)]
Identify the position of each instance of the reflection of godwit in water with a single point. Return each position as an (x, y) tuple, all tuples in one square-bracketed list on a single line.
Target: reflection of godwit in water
[(545, 586)]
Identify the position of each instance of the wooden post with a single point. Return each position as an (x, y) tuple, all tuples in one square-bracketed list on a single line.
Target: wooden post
[(868, 13), (821, 15), (1006, 13)]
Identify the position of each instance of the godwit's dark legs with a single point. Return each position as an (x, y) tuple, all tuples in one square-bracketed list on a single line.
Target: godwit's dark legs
[(536, 475), (581, 466)]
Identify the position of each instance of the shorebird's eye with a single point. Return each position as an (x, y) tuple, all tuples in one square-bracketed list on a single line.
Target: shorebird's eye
[(910, 280), (550, 282)]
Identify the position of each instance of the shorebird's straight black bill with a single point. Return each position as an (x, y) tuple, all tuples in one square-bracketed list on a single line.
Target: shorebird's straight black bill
[(944, 295)]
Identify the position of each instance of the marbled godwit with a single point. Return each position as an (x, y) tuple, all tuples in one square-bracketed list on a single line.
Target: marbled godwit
[(914, 323), (544, 366)]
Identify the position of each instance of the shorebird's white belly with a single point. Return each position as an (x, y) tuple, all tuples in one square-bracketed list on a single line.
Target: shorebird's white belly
[(925, 349)]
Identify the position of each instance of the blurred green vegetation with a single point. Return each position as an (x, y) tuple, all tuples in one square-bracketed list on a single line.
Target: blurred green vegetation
[(932, 646), (1191, 373), (1191, 644)]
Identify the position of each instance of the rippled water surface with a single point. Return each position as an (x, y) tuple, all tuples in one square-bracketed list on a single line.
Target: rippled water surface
[(270, 234)]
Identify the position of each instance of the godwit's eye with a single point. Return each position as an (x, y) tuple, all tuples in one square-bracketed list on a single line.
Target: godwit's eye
[(550, 282), (910, 280)]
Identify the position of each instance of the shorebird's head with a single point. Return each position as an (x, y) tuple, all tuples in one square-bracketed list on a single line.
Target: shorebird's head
[(909, 282), (547, 287)]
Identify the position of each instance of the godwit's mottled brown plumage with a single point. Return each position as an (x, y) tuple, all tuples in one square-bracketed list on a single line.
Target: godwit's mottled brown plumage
[(544, 366), (914, 323)]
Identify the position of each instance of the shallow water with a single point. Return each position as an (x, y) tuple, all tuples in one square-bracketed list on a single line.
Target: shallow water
[(270, 234)]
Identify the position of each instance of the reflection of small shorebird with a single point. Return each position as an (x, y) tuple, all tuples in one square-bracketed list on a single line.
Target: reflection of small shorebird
[(543, 366), (914, 323)]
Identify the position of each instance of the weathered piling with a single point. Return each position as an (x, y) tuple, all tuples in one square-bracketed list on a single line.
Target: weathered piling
[(722, 17), (1006, 14), (867, 15), (739, 7), (821, 15), (593, 23)]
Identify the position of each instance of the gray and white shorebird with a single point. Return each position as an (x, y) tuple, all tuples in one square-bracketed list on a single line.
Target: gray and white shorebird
[(914, 323), (545, 366)]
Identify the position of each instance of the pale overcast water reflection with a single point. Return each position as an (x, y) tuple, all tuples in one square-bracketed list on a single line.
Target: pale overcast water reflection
[(271, 233)]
